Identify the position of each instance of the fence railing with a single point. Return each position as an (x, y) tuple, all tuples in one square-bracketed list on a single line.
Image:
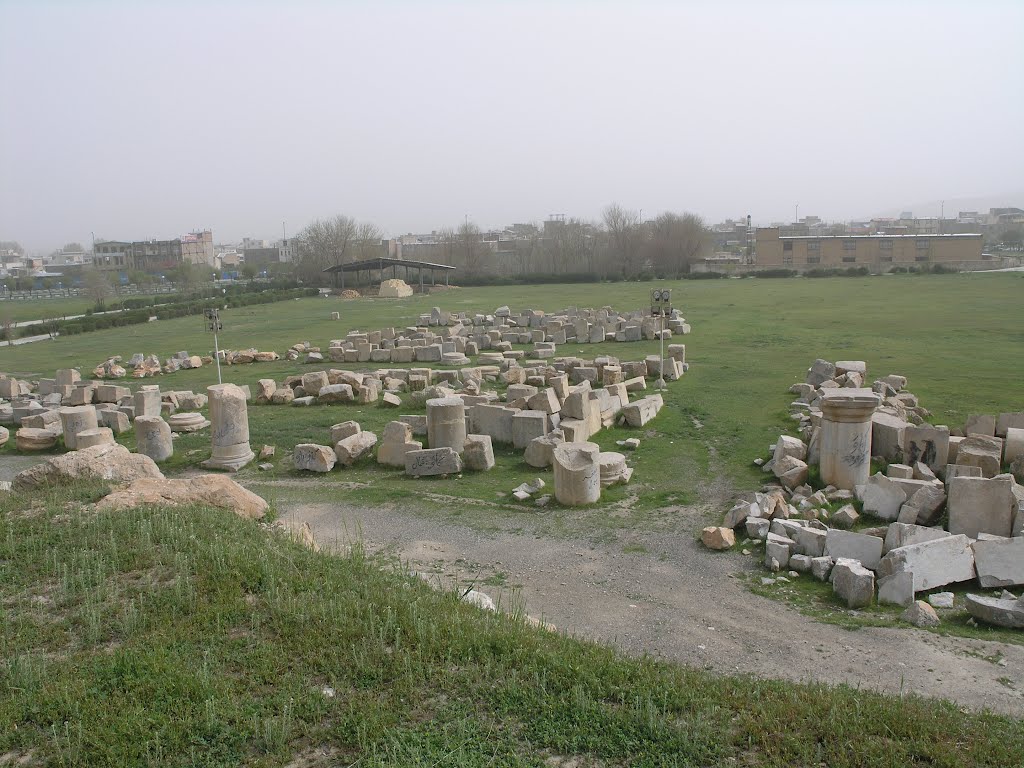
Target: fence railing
[(65, 293)]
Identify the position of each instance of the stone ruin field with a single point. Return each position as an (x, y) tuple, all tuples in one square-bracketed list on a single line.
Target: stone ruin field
[(457, 441)]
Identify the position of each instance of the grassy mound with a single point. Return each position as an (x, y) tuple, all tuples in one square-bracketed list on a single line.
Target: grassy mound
[(190, 637)]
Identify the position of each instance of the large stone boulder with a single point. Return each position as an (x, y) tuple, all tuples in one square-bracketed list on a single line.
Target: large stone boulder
[(209, 490), (394, 289), (114, 463)]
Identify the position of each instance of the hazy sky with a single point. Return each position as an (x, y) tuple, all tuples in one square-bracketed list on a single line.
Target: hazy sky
[(151, 119)]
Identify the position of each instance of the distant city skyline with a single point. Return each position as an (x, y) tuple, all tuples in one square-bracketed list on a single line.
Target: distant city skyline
[(235, 117)]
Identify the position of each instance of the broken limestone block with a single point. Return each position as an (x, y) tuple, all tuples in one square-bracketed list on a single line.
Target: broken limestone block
[(935, 563), (809, 541), (853, 583), (433, 461), (791, 471), (1013, 446), (757, 527), (351, 448), (981, 451), (820, 372), (887, 432), (996, 611), (1003, 422), (928, 444), (640, 412), (821, 567), (941, 600), (901, 471), (779, 549), (920, 614), (882, 497), (313, 458), (981, 505), (903, 534), (478, 454), (715, 537), (845, 517), (923, 472), (980, 424), (540, 450), (866, 550), (800, 563), (925, 506), (344, 429), (896, 589), (789, 446), (1000, 562)]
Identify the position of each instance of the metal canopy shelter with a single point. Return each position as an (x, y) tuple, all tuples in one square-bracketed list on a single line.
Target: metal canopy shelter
[(369, 265)]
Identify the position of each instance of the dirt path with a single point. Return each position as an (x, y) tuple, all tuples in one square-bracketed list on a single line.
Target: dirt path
[(685, 605)]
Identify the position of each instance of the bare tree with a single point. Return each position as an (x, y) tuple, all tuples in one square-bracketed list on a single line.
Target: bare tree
[(7, 327), (625, 238), (367, 241), (677, 241), (96, 284), (325, 243)]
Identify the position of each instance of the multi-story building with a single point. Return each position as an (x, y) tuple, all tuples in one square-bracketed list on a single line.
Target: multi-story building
[(879, 253), (113, 256), (197, 248), (154, 256)]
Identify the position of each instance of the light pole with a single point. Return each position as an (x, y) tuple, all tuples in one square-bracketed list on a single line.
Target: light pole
[(214, 324), (661, 299)]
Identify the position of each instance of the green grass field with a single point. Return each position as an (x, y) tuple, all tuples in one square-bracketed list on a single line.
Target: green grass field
[(190, 637), (956, 337)]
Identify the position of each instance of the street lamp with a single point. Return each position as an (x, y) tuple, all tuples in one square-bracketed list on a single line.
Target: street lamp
[(661, 305), (214, 324)]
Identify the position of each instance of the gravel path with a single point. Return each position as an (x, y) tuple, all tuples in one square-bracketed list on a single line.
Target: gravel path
[(685, 605)]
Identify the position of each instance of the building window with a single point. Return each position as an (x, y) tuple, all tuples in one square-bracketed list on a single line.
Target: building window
[(787, 245), (885, 258), (923, 244), (919, 257), (814, 245), (814, 259), (885, 245), (849, 259), (849, 245), (787, 258)]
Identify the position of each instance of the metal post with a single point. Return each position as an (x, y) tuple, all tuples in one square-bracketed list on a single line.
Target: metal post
[(214, 324)]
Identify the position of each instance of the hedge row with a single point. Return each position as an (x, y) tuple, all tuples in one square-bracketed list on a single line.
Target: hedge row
[(164, 312)]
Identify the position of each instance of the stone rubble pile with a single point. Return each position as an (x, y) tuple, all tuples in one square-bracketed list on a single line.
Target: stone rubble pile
[(81, 413), (950, 500), (141, 366), (544, 406), (462, 335)]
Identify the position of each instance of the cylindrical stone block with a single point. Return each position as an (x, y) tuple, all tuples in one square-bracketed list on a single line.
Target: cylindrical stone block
[(577, 473), (153, 438), (147, 402), (845, 444), (446, 423), (229, 418), (87, 438), (73, 420)]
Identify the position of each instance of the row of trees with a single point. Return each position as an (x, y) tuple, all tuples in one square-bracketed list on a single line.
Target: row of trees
[(620, 246)]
